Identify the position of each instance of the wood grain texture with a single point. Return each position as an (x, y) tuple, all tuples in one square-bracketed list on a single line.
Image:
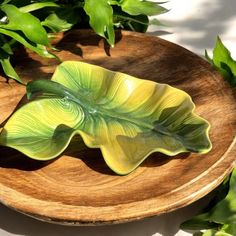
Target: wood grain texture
[(78, 188)]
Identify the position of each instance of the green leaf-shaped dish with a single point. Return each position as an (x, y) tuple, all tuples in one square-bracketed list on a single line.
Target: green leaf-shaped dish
[(126, 117)]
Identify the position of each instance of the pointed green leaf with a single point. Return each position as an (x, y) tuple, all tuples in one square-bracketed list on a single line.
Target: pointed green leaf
[(223, 61), (215, 233), (222, 215), (5, 53), (9, 70), (127, 118), (62, 19), (37, 6), (39, 49), (7, 67), (208, 57), (140, 7), (101, 18), (221, 54), (5, 45), (25, 22), (5, 2), (137, 23)]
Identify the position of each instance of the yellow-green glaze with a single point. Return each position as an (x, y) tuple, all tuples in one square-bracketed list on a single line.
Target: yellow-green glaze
[(126, 117)]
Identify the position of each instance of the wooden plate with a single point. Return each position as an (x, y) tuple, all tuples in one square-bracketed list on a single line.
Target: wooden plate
[(78, 188)]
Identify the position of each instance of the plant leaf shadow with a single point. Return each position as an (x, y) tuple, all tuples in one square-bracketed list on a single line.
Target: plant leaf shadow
[(75, 40), (31, 66), (159, 33)]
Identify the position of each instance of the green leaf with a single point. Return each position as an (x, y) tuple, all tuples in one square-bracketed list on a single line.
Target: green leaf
[(9, 70), (208, 57), (223, 61), (5, 2), (7, 67), (215, 233), (230, 228), (25, 22), (5, 45), (37, 6), (199, 223), (139, 23), (127, 118), (62, 19), (39, 49), (220, 53), (5, 53), (222, 215), (140, 7), (101, 18), (135, 23), (220, 193)]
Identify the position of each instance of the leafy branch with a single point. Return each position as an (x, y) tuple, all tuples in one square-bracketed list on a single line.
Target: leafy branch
[(223, 62), (219, 218), (28, 22)]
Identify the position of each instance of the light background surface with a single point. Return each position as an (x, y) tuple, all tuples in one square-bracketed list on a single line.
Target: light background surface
[(193, 25)]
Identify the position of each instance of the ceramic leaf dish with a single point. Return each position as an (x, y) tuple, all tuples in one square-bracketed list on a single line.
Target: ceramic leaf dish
[(126, 117)]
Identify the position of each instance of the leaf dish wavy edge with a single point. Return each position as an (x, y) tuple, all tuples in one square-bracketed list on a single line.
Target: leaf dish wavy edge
[(126, 117)]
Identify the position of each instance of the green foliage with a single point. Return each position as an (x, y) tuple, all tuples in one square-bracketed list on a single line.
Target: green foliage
[(223, 62), (220, 219), (62, 19), (28, 23), (137, 7), (100, 18)]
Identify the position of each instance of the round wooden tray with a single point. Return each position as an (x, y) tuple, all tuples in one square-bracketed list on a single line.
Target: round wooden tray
[(78, 188)]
